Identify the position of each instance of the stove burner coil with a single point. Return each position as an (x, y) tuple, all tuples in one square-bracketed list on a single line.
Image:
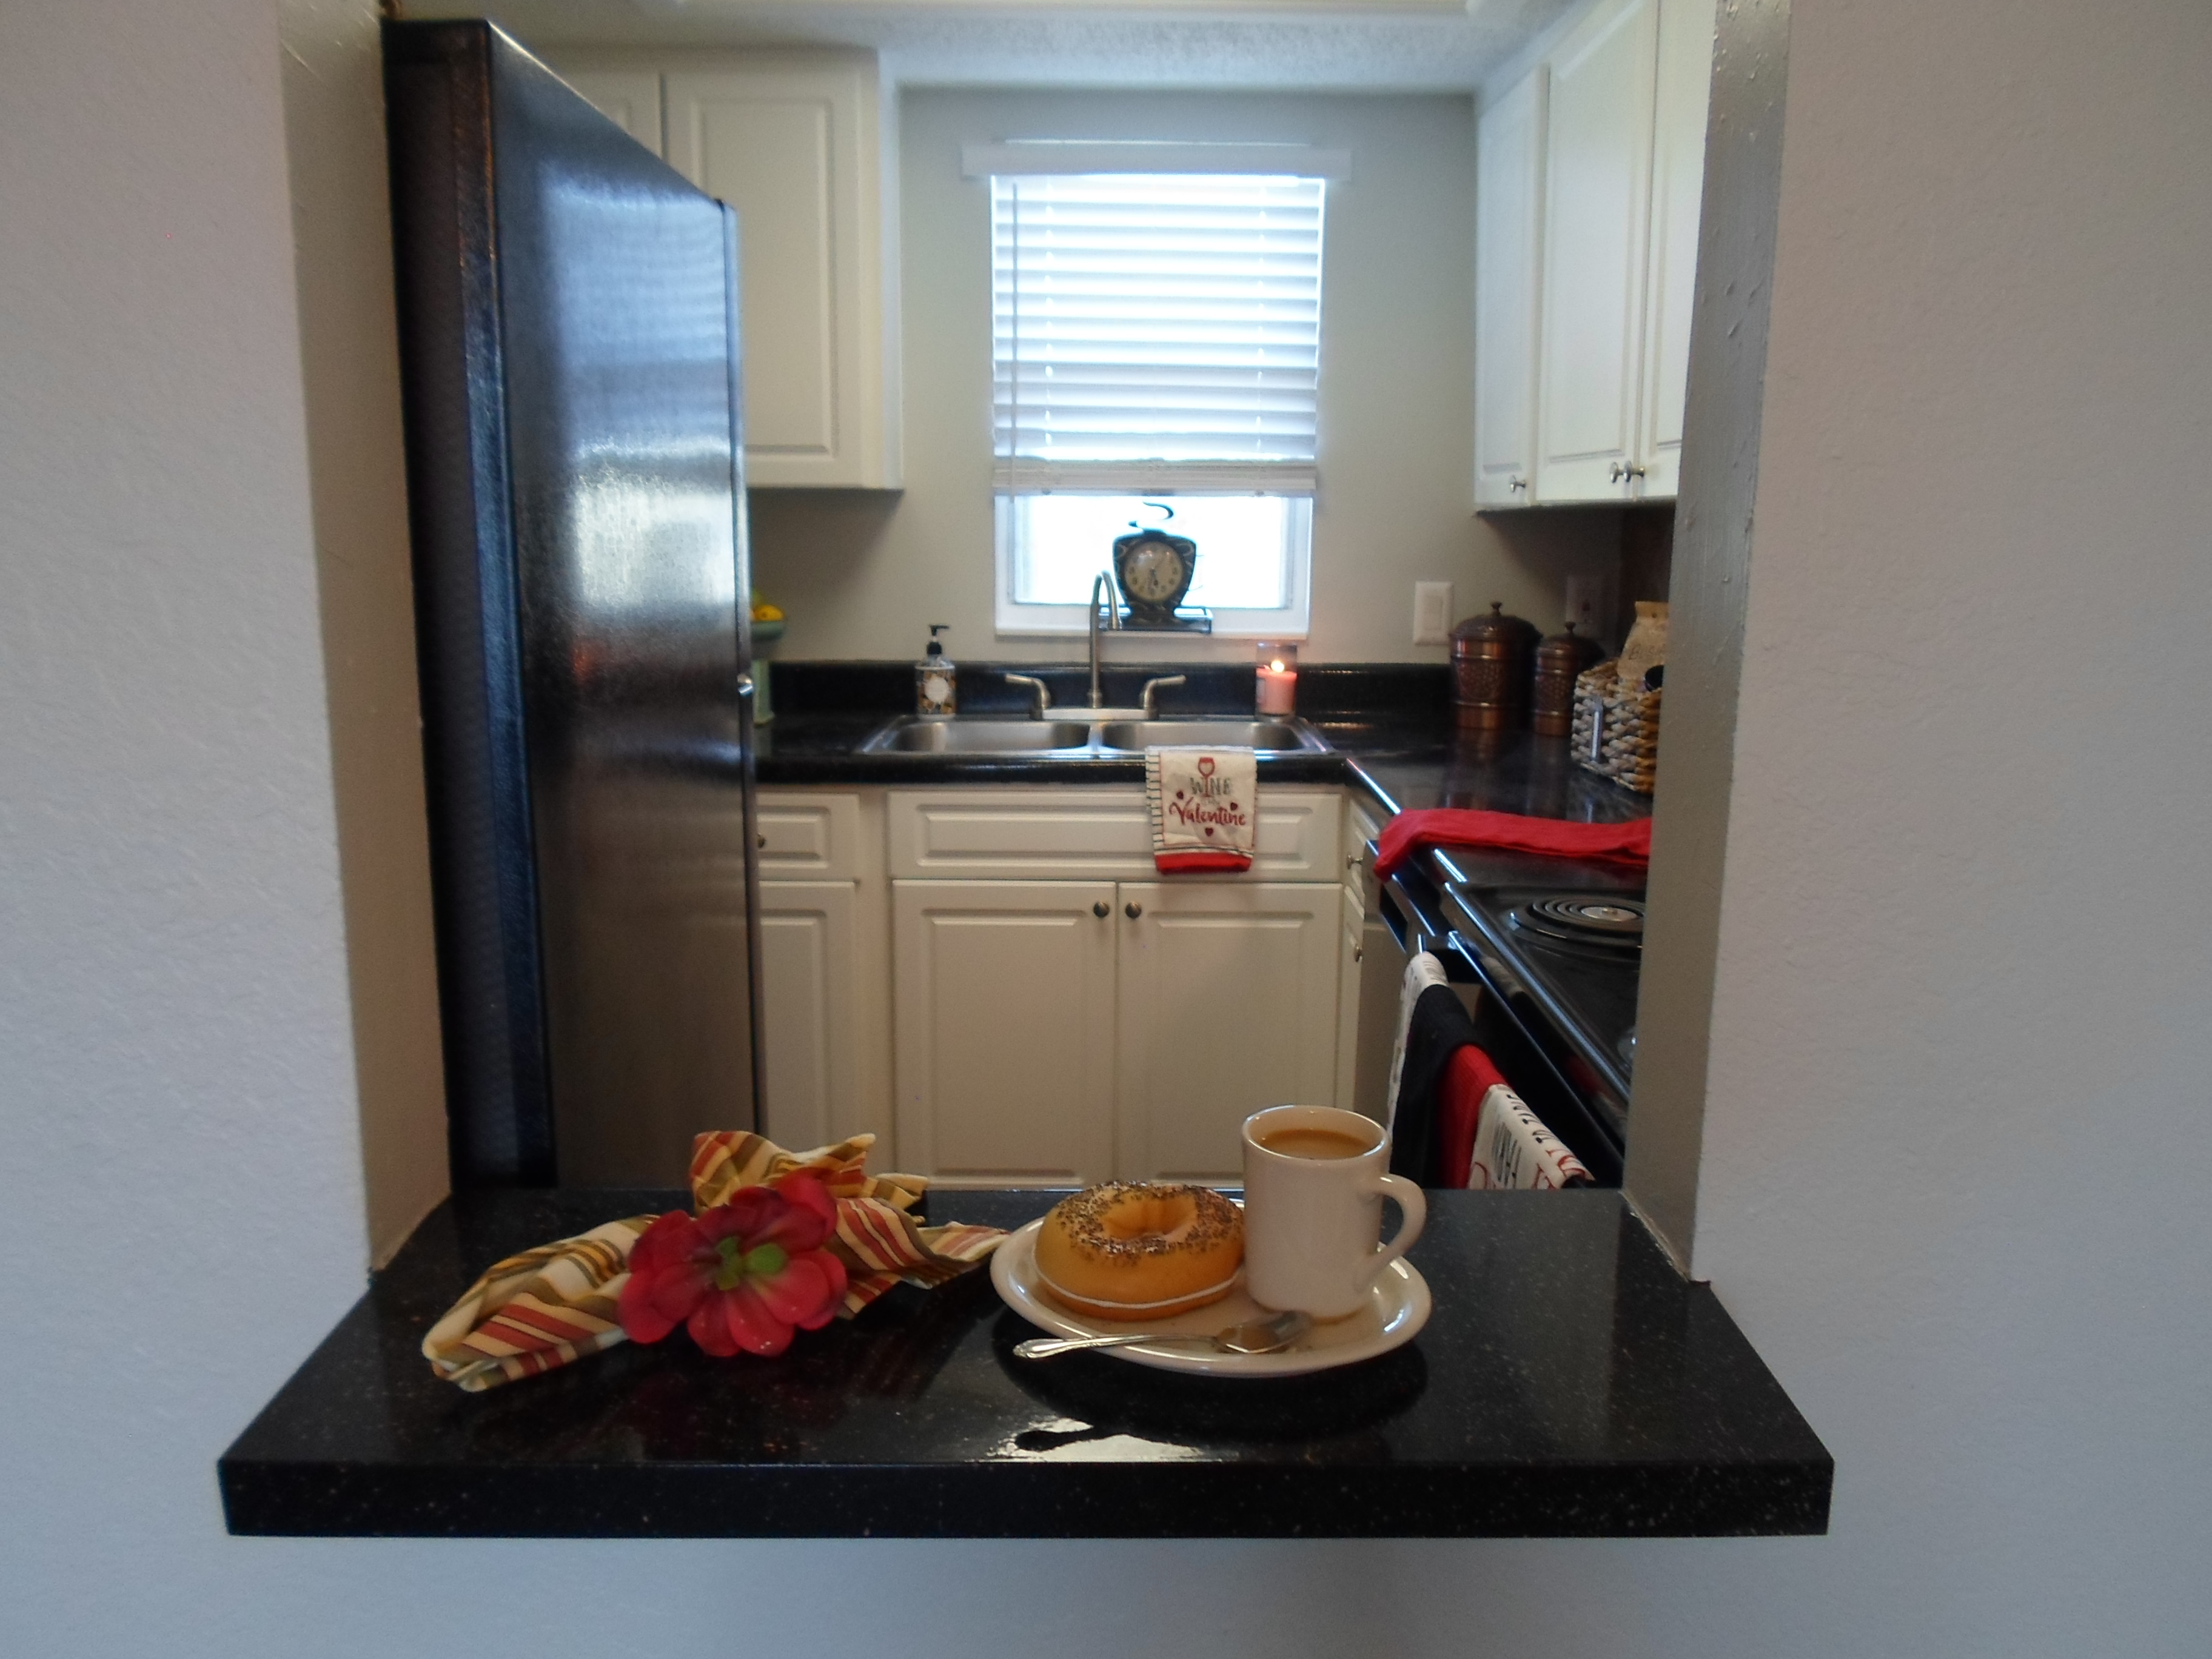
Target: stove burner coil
[(1607, 922)]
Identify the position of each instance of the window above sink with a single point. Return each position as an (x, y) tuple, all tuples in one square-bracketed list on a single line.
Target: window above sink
[(1157, 338)]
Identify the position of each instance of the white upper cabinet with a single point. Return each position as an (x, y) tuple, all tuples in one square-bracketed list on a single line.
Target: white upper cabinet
[(1596, 203), (1608, 134), (800, 144), (1508, 207), (1678, 179)]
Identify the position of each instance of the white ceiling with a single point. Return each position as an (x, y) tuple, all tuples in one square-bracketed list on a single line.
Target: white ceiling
[(1332, 44)]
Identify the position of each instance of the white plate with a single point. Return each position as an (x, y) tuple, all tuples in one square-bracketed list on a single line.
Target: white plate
[(1397, 1307)]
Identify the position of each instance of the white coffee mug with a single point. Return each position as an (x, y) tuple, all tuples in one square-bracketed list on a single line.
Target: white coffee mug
[(1313, 1224)]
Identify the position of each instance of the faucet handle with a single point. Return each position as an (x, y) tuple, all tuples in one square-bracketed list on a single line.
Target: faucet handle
[(1149, 698), (1040, 693)]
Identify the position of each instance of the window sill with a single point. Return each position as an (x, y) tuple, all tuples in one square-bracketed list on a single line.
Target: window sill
[(1569, 1384)]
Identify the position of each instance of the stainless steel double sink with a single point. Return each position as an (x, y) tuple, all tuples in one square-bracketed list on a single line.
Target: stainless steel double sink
[(1062, 738)]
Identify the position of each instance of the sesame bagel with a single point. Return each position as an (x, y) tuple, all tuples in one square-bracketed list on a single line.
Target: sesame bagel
[(1131, 1250)]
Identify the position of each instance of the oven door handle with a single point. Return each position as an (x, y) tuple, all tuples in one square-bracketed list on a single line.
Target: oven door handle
[(1425, 929)]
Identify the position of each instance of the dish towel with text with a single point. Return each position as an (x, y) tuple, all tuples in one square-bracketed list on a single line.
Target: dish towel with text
[(1512, 1150), (551, 1306), (1206, 808)]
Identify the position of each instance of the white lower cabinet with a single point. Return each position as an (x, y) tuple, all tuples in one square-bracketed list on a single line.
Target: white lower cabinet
[(1004, 1032), (810, 972), (1228, 1004), (825, 970), (996, 981), (1064, 1016)]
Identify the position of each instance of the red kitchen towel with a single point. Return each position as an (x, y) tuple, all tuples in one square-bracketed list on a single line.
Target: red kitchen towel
[(1467, 1079), (1447, 826), (1206, 808)]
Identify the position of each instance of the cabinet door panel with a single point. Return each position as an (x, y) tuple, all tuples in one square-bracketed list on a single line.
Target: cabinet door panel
[(1228, 1004), (809, 972), (1509, 206), (1381, 980), (1597, 176), (1678, 174), (1005, 1030), (1352, 953), (769, 153)]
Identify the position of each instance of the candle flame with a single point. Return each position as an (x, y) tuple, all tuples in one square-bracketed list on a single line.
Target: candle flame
[(1276, 665)]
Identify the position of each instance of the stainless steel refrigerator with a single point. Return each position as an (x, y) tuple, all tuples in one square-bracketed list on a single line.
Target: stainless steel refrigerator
[(568, 334)]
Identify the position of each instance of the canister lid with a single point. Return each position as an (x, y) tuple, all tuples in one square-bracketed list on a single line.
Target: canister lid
[(1570, 652), (1496, 633)]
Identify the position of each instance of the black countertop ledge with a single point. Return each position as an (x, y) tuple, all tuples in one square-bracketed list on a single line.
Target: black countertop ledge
[(1569, 1384)]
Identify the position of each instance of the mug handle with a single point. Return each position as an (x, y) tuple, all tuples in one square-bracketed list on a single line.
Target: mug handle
[(1413, 1205)]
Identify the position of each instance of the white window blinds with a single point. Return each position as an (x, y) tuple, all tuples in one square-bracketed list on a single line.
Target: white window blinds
[(1156, 331)]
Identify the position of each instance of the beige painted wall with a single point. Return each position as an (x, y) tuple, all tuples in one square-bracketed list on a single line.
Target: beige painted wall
[(861, 573), (349, 371)]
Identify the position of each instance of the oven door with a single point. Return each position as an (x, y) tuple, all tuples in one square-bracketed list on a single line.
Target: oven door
[(1539, 1061), (1412, 907)]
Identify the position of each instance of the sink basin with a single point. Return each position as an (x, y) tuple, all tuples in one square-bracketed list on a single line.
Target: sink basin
[(976, 737), (911, 734), (1277, 735)]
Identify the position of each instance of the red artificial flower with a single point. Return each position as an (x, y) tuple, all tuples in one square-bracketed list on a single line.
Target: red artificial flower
[(741, 1275)]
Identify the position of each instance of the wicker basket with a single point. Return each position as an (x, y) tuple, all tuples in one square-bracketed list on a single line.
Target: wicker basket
[(1616, 733)]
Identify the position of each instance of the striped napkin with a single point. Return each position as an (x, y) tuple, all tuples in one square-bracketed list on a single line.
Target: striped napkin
[(1206, 808), (554, 1305)]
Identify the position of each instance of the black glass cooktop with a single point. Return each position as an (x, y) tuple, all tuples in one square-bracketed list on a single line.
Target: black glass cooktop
[(1578, 954)]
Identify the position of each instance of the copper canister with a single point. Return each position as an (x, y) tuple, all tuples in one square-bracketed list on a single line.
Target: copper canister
[(1559, 660), (1492, 659)]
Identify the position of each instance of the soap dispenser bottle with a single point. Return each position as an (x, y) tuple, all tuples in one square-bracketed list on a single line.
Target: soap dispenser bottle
[(932, 677)]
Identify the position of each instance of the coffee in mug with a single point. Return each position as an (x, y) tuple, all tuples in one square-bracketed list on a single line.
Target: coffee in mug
[(1314, 1179), (1313, 1143)]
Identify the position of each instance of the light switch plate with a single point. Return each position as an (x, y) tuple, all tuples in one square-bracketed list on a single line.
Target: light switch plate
[(1432, 609)]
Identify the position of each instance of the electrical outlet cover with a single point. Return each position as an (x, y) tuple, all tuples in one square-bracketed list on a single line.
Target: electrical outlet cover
[(1432, 610)]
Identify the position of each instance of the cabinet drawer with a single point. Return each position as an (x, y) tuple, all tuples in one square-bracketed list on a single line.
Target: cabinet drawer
[(1080, 832), (809, 836)]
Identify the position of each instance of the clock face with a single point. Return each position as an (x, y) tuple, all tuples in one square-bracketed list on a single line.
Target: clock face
[(1154, 572)]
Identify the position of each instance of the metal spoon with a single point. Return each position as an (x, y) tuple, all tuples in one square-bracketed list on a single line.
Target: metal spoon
[(1269, 1335)]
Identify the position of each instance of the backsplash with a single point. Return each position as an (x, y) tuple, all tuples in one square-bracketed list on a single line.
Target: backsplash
[(1326, 692)]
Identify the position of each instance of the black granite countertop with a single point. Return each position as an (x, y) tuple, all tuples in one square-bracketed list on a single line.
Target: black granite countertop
[(1390, 729), (1570, 1382)]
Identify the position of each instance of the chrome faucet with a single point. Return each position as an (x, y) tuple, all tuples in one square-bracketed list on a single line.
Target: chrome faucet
[(1105, 579)]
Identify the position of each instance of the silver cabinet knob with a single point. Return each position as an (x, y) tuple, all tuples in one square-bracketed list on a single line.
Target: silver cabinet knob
[(761, 841), (1619, 473), (1515, 481), (1132, 909), (1359, 953), (1102, 909), (1634, 471)]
